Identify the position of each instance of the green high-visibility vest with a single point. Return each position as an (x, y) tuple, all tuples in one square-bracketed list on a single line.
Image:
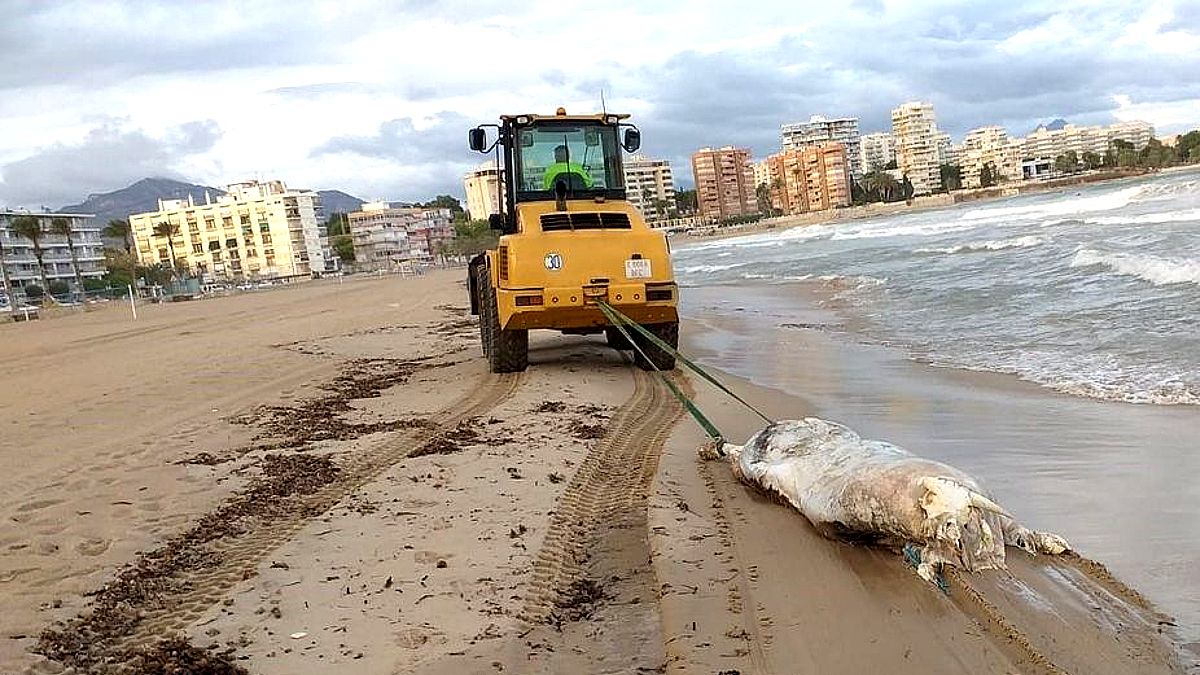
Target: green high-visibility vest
[(553, 171)]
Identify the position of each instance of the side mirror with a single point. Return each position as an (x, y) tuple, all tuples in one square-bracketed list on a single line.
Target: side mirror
[(477, 139), (633, 140), (496, 221)]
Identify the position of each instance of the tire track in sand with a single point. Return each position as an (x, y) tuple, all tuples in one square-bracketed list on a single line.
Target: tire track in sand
[(606, 498), (239, 557)]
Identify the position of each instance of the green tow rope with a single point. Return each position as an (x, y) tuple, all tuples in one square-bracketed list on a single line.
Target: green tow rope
[(620, 322)]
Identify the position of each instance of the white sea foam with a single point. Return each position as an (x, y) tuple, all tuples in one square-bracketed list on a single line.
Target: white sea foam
[(708, 269), (875, 231), (1183, 216), (1066, 206), (1158, 271), (1027, 241)]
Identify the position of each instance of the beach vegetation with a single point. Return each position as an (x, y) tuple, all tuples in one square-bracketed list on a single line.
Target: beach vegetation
[(62, 227), (30, 227), (33, 291), (1068, 162), (337, 227), (472, 237), (686, 202), (448, 202), (989, 176), (119, 229), (1092, 161), (168, 231), (951, 175)]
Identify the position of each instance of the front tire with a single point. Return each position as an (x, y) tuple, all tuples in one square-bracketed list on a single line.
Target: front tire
[(663, 360)]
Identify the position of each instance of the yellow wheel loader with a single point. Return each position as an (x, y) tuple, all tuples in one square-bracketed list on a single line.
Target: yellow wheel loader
[(568, 238)]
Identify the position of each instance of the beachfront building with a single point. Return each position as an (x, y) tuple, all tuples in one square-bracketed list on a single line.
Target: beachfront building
[(946, 150), (18, 262), (877, 151), (820, 130), (989, 145), (257, 230), (724, 182), (918, 140), (762, 173), (814, 178), (387, 235), (649, 187), (1046, 143), (484, 191)]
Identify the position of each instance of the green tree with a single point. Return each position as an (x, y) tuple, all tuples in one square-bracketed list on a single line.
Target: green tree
[(1126, 155), (343, 246), (881, 186), (1067, 162), (448, 202), (1092, 161), (30, 228), (62, 227), (763, 192), (951, 175), (988, 176), (122, 267), (169, 231), (337, 224), (663, 206), (1187, 146), (686, 202), (473, 237), (1156, 155), (120, 229)]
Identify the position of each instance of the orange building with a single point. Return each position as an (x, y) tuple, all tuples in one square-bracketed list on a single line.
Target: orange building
[(809, 179), (724, 182)]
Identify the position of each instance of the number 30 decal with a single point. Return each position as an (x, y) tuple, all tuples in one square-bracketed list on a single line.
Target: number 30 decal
[(553, 261)]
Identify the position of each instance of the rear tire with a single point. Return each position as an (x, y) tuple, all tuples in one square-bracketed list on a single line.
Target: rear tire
[(507, 351), (668, 333), (615, 339)]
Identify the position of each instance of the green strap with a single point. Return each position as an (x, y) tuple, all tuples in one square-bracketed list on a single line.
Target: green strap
[(704, 422), (607, 308)]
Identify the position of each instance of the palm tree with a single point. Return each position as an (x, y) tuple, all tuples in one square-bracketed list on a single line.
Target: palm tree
[(30, 228), (119, 229), (62, 226), (881, 184), (4, 271), (169, 230)]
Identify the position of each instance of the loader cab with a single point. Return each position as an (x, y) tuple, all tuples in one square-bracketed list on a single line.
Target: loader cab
[(558, 158)]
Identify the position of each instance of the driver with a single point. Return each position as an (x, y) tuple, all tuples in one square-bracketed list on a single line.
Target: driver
[(562, 166)]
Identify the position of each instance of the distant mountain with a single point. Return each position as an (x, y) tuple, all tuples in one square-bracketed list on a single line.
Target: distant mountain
[(336, 201), (1057, 124), (141, 197)]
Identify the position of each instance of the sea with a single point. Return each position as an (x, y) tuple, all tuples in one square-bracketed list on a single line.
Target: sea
[(1047, 343)]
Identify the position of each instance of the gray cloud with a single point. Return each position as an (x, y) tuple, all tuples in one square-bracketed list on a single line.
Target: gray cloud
[(434, 158), (109, 158)]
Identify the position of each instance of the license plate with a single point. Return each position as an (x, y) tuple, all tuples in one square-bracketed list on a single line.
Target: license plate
[(638, 268)]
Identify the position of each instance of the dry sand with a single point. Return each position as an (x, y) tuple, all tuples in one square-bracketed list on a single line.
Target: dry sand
[(325, 477)]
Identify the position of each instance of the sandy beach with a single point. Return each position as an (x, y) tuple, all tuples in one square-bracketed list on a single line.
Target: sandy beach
[(325, 476)]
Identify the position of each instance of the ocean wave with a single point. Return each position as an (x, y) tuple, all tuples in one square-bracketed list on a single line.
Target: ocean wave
[(707, 269), (990, 245), (883, 230), (1158, 271), (1062, 207), (1183, 216)]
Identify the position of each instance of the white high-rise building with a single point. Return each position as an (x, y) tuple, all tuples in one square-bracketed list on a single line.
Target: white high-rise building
[(989, 145), (386, 235), (256, 230), (878, 150), (484, 191), (818, 131), (649, 186), (19, 261), (1043, 143), (918, 140)]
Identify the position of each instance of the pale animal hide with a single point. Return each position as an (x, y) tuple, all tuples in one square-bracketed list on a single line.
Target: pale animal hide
[(875, 492)]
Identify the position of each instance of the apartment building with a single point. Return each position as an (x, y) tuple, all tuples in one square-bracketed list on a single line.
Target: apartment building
[(386, 235), (484, 191), (876, 151), (18, 262), (650, 187), (989, 145), (724, 182), (820, 130), (257, 230), (813, 178), (918, 144), (762, 173), (1043, 143)]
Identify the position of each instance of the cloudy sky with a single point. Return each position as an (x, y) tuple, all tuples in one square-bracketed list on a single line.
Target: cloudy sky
[(375, 97)]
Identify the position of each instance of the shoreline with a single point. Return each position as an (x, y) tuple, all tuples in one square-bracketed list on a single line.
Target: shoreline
[(934, 202)]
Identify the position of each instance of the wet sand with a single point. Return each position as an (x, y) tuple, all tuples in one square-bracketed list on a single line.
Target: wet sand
[(1116, 479), (325, 477)]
